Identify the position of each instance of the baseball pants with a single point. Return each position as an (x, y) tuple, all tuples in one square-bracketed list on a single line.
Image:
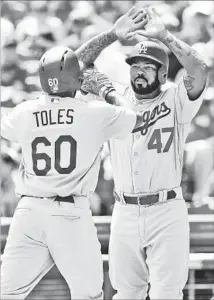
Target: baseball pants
[(149, 244), (45, 232)]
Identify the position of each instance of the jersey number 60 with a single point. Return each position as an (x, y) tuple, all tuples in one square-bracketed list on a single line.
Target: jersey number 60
[(47, 159)]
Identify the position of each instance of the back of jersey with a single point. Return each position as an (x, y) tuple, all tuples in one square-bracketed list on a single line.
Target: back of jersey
[(61, 140), (60, 148)]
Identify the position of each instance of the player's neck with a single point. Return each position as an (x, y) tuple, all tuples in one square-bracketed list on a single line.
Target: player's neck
[(70, 94), (152, 95)]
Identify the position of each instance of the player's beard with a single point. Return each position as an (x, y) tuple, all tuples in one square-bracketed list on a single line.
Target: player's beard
[(140, 90)]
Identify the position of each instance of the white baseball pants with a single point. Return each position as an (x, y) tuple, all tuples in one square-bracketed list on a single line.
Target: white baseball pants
[(45, 232), (149, 244)]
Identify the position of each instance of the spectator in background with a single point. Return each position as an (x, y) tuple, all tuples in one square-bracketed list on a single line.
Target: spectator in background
[(7, 30), (202, 126), (194, 21), (9, 161), (199, 165), (208, 191), (78, 19), (38, 31), (12, 72), (14, 10), (106, 10), (121, 9), (206, 49), (13, 75), (59, 9), (83, 21), (40, 20), (199, 153)]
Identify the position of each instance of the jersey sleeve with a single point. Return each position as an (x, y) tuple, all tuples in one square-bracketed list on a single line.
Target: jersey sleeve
[(88, 97), (10, 124), (117, 121), (185, 108)]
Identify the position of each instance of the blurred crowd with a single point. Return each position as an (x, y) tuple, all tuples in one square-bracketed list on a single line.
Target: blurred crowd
[(29, 28)]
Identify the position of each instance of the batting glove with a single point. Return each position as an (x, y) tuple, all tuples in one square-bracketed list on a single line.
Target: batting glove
[(96, 83)]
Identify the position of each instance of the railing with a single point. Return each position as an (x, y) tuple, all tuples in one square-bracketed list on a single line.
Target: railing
[(53, 285), (201, 232)]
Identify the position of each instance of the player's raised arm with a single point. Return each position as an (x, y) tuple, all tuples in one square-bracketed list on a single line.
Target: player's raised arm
[(99, 84), (196, 69), (131, 21)]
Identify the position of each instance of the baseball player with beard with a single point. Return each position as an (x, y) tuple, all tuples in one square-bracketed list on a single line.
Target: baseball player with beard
[(61, 134), (149, 240)]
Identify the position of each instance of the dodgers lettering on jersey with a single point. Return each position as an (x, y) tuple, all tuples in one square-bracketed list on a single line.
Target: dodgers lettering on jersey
[(61, 140), (151, 159)]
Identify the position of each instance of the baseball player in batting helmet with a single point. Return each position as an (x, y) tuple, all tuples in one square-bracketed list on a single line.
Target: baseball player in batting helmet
[(53, 223), (149, 241), (60, 71)]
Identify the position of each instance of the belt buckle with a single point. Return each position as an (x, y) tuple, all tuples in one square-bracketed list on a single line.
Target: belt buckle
[(138, 200)]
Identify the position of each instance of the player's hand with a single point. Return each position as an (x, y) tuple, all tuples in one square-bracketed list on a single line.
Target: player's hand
[(154, 28), (95, 82), (131, 21)]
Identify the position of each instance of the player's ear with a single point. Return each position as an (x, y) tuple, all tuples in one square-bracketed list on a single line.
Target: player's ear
[(78, 83), (80, 80)]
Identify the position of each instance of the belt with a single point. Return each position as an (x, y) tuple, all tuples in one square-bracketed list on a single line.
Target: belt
[(68, 199), (147, 199)]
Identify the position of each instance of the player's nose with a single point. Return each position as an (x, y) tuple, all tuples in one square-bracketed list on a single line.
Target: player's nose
[(141, 72)]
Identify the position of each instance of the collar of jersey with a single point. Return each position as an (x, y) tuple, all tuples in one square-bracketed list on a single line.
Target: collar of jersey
[(145, 101), (78, 98)]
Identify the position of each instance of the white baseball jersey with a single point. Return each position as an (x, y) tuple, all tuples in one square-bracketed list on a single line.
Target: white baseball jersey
[(61, 140), (150, 159)]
